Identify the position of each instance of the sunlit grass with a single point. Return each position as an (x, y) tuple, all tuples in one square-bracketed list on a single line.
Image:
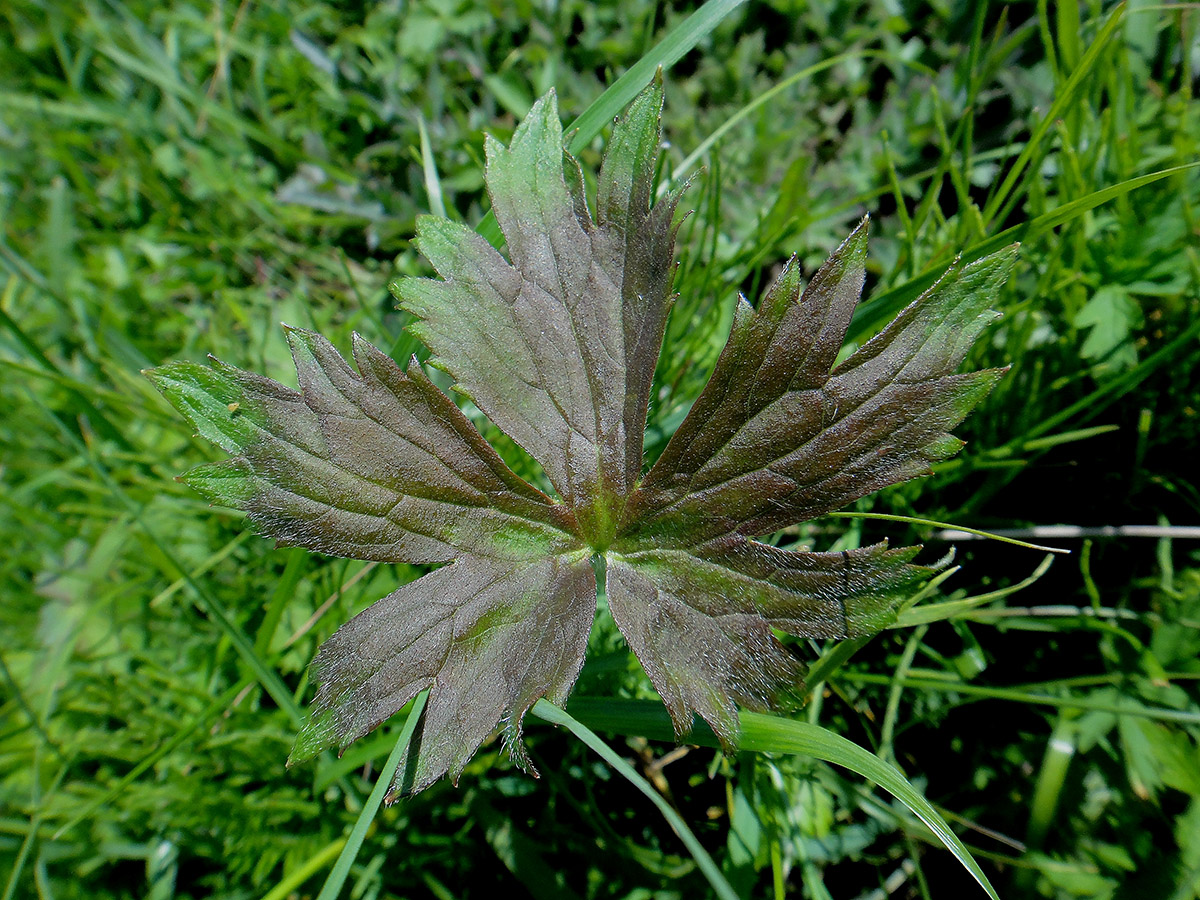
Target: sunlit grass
[(176, 179)]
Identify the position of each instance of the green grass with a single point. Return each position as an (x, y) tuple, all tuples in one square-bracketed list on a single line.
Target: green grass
[(176, 179)]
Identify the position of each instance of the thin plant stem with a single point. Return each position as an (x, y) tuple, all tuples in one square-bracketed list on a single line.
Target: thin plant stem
[(912, 520)]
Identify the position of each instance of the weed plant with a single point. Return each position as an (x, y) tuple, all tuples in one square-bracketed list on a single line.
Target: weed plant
[(177, 178)]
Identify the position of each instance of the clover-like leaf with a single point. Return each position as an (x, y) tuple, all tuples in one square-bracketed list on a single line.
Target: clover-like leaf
[(557, 344)]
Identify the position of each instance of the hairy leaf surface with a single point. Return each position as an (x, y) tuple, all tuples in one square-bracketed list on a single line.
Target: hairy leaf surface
[(378, 466), (701, 622), (491, 637), (777, 437), (557, 344), (558, 347)]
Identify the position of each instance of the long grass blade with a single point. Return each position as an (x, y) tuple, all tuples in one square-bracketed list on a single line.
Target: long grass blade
[(341, 868), (913, 520), (773, 734), (551, 713), (662, 55)]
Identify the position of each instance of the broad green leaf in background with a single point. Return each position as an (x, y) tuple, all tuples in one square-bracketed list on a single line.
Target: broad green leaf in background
[(557, 344), (1111, 315)]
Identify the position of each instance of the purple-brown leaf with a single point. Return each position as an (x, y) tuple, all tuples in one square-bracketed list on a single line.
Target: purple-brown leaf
[(557, 344), (777, 438)]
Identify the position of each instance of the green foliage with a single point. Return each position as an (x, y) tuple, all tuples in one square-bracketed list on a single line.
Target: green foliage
[(177, 178)]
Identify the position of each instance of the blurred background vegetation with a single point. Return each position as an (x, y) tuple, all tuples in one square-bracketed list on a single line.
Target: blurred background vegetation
[(178, 177)]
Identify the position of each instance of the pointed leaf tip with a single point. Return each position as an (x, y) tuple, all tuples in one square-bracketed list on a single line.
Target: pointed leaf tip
[(558, 343)]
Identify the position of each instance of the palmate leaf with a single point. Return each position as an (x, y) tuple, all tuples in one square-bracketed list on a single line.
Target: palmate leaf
[(557, 345)]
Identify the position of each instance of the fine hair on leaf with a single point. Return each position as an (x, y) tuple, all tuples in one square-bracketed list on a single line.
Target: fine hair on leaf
[(556, 340)]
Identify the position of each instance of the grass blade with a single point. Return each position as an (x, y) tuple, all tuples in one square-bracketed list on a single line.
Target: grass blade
[(778, 735), (551, 713), (433, 182), (774, 734), (662, 55), (311, 866), (989, 535), (341, 868)]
